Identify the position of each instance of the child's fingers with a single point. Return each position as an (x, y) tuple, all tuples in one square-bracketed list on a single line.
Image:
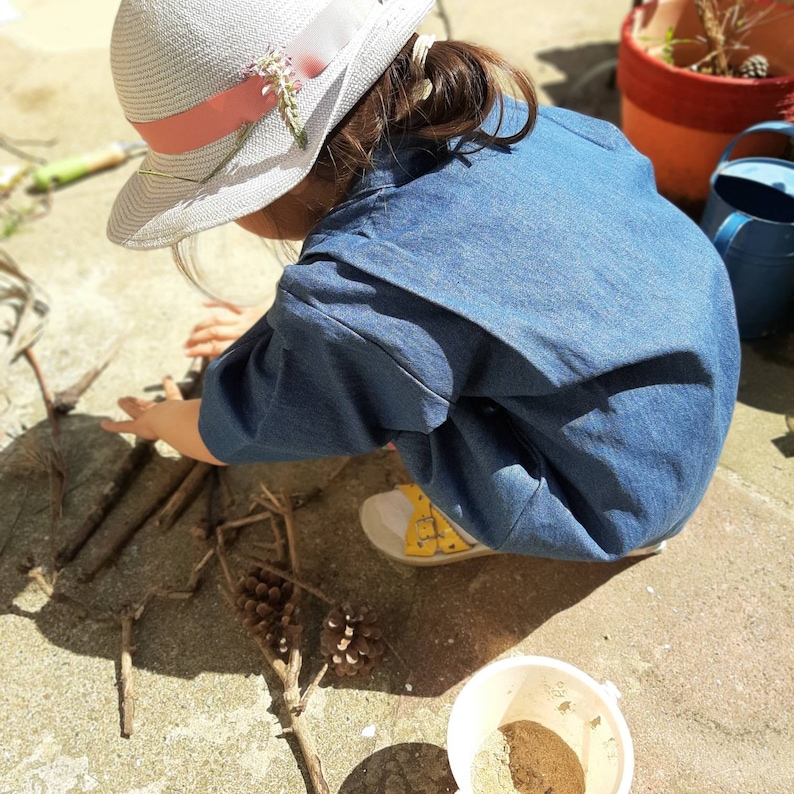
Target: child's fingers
[(223, 334), (206, 349), (171, 390), (215, 320), (134, 407), (117, 427)]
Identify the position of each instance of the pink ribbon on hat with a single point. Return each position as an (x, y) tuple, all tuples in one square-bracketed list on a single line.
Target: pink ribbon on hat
[(310, 52)]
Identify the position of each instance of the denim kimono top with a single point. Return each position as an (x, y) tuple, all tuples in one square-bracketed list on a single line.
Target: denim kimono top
[(550, 345)]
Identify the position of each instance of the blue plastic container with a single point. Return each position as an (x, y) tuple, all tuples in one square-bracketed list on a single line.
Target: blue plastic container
[(749, 217)]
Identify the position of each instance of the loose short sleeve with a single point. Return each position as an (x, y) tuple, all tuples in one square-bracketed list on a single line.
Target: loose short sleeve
[(302, 384)]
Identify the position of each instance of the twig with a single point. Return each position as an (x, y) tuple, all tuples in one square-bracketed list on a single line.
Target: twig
[(130, 466), (270, 568), (709, 17), (301, 707), (183, 495), (57, 467), (227, 494), (46, 587), (444, 16), (279, 538), (27, 301), (286, 505), (283, 506), (288, 675), (195, 576), (66, 400), (272, 501), (227, 573), (116, 540), (127, 690), (302, 499), (213, 515), (12, 145), (292, 700), (238, 523)]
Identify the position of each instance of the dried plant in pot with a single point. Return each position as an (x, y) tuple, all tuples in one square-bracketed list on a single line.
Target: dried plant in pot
[(695, 73)]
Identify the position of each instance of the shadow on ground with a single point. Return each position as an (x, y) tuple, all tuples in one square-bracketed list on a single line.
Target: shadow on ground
[(589, 85), (410, 768), (454, 614), (767, 379)]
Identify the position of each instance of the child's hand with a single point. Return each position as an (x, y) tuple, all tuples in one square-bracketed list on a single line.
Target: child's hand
[(139, 410), (174, 420), (225, 325)]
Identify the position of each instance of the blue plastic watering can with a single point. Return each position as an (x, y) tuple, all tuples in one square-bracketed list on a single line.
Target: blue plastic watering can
[(749, 217)]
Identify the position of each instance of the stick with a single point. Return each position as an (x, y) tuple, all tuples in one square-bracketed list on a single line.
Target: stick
[(283, 507), (12, 145), (286, 506), (48, 588), (708, 13), (56, 466), (238, 523), (288, 674), (227, 494), (302, 499), (444, 16), (120, 536), (66, 400), (130, 466), (300, 729), (195, 577), (183, 495), (127, 690), (37, 575), (301, 707), (221, 552)]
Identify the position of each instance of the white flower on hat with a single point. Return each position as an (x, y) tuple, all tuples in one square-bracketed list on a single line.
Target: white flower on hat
[(277, 70)]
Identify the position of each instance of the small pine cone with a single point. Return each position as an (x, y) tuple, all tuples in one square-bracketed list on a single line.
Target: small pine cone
[(268, 607), (754, 67), (351, 642)]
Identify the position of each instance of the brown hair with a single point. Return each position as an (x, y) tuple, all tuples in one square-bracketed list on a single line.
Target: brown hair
[(467, 82)]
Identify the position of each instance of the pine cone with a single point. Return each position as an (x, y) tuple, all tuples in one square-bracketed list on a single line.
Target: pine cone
[(268, 607), (754, 67), (351, 642)]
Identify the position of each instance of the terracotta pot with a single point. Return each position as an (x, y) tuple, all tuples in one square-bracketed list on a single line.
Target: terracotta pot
[(683, 120)]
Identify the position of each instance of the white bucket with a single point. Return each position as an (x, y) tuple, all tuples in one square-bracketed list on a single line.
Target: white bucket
[(581, 711)]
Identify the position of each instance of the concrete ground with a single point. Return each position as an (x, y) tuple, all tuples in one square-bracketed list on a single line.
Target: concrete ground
[(699, 640)]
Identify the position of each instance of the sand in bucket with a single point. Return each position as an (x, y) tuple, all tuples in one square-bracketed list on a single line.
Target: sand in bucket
[(526, 758)]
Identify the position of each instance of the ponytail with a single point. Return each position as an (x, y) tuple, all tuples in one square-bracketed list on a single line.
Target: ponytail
[(467, 82)]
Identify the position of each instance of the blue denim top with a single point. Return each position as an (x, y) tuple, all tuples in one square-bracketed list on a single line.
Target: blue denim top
[(550, 345)]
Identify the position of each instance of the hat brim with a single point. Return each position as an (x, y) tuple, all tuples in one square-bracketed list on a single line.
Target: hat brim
[(159, 211)]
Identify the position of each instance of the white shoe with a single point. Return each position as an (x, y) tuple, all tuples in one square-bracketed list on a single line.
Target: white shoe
[(645, 551), (405, 526)]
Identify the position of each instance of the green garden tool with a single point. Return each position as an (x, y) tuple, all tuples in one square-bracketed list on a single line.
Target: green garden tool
[(60, 172)]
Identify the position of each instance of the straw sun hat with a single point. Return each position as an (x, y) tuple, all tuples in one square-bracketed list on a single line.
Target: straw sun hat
[(235, 98)]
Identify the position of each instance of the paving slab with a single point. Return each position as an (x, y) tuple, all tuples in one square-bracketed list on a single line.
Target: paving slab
[(698, 639)]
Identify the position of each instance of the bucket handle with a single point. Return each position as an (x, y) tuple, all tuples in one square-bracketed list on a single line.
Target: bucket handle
[(783, 127), (727, 232)]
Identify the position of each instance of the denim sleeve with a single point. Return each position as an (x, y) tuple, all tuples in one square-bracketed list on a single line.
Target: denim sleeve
[(301, 384)]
